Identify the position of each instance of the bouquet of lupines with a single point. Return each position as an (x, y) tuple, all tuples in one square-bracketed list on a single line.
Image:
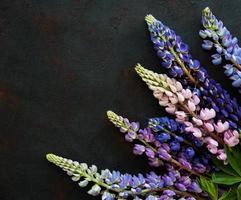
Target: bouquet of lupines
[(198, 149)]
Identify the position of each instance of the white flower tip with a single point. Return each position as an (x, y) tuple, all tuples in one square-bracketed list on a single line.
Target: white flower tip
[(206, 10), (110, 113), (150, 19), (51, 157)]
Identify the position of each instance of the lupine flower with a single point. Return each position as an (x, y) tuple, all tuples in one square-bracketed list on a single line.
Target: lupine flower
[(176, 58), (231, 138), (217, 36), (165, 145), (112, 185), (200, 123)]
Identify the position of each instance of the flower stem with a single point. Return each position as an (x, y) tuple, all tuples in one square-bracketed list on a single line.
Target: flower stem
[(184, 68)]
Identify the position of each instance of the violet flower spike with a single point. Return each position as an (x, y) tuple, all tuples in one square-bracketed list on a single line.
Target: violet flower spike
[(216, 35), (112, 185), (156, 152)]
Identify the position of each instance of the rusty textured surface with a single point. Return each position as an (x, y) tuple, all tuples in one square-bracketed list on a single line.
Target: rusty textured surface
[(63, 63)]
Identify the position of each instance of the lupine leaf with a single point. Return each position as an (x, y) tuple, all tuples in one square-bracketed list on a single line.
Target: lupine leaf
[(228, 195), (225, 168), (239, 192), (210, 187), (225, 179), (234, 158)]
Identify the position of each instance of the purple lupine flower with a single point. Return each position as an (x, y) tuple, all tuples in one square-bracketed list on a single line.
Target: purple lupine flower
[(163, 154), (139, 149), (193, 74), (226, 46), (169, 193)]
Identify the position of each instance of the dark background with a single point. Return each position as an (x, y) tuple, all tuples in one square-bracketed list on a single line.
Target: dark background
[(64, 63)]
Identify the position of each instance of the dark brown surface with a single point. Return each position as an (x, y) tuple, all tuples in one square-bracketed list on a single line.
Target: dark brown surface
[(63, 64)]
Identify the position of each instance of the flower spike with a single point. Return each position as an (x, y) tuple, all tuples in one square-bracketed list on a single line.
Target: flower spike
[(114, 185), (185, 106), (216, 36)]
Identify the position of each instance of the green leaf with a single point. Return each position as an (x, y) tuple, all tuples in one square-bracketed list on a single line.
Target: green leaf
[(209, 187), (239, 192), (225, 179), (234, 158), (225, 168), (231, 194)]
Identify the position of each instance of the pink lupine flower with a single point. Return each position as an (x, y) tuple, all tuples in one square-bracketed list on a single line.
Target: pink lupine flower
[(196, 99), (212, 145), (173, 88), (231, 138), (198, 122), (195, 131), (187, 93), (164, 102), (180, 97), (179, 86), (212, 148), (158, 94), (173, 99), (171, 109), (211, 141), (221, 155), (191, 106), (209, 127), (207, 114), (221, 127), (181, 116), (168, 93)]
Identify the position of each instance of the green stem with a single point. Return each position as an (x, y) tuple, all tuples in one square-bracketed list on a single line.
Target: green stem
[(184, 68)]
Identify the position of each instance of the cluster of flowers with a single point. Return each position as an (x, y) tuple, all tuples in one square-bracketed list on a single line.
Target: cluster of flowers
[(184, 104), (162, 142), (216, 35), (175, 56), (206, 120), (113, 184)]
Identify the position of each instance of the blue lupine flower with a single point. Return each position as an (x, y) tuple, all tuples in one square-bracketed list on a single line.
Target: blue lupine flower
[(225, 44), (189, 152), (175, 145), (163, 137)]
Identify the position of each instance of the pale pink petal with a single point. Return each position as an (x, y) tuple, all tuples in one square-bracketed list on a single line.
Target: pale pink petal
[(170, 109), (198, 122), (212, 149), (179, 86), (173, 99), (168, 93), (163, 103), (180, 97), (173, 88), (196, 99), (197, 132), (209, 127), (211, 141), (221, 127), (187, 93), (191, 106), (221, 155)]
